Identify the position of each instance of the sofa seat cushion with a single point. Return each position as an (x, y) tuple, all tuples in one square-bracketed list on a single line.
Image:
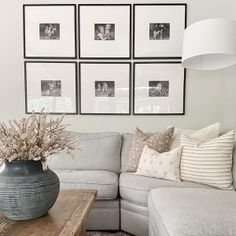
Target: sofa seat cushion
[(135, 188), (195, 212), (105, 182)]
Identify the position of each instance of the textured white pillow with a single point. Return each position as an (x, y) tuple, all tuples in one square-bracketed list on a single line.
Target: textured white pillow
[(160, 165), (202, 135), (209, 162)]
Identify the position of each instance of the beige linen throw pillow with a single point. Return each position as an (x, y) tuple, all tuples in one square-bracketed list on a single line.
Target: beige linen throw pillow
[(202, 135), (160, 165), (209, 162), (158, 141)]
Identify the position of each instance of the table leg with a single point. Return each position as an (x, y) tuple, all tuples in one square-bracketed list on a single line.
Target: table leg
[(81, 232)]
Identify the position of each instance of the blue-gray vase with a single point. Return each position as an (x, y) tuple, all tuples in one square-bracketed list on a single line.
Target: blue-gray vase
[(26, 190)]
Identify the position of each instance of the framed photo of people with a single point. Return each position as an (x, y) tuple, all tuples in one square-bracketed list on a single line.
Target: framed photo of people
[(50, 31), (105, 31), (159, 88), (158, 30), (51, 86), (104, 88)]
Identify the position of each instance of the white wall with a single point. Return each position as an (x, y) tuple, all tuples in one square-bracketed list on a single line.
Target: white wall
[(210, 96)]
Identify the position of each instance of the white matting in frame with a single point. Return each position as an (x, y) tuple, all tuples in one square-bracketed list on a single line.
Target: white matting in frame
[(159, 88), (51, 86), (105, 31), (50, 31), (158, 30), (105, 88)]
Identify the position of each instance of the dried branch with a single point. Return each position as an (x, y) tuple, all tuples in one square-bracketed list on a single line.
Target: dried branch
[(34, 138)]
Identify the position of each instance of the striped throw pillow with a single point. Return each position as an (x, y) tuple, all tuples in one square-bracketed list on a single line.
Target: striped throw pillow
[(209, 162)]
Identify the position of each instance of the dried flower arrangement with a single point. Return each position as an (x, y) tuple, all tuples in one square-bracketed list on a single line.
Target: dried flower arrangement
[(34, 138)]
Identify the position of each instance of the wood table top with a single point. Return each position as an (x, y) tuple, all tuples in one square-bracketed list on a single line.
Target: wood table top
[(66, 218)]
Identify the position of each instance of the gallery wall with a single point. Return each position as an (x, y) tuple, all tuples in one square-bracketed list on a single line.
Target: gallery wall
[(210, 95)]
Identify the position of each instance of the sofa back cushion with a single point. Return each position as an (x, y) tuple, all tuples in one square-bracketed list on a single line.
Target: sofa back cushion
[(125, 151), (96, 151), (202, 135)]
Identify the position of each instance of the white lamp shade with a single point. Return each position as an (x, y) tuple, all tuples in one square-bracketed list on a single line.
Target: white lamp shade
[(209, 44)]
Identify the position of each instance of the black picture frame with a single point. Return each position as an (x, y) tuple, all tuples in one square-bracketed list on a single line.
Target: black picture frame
[(26, 79), (129, 36), (182, 112), (81, 94), (26, 56), (159, 57)]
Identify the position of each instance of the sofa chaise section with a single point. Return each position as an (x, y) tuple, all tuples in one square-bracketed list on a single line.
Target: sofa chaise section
[(192, 212), (96, 165)]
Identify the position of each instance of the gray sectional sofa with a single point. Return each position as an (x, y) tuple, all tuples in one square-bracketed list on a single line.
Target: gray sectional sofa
[(141, 205)]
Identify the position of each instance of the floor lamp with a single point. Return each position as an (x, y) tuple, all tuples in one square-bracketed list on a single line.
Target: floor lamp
[(209, 44)]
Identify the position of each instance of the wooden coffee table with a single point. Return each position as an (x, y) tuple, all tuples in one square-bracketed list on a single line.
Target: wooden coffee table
[(66, 218)]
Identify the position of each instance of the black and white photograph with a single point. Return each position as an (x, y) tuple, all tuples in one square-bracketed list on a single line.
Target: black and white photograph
[(49, 31), (104, 88), (104, 31), (159, 31), (158, 88), (51, 88)]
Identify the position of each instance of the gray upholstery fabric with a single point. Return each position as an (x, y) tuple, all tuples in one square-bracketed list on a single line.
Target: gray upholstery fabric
[(105, 182), (135, 188), (129, 206), (195, 212), (126, 145), (134, 218), (156, 227), (97, 151), (105, 215)]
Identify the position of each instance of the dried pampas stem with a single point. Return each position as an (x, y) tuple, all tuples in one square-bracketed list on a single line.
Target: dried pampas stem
[(34, 138)]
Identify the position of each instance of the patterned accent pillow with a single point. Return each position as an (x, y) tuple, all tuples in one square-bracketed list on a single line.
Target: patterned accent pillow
[(208, 162), (159, 142), (160, 165)]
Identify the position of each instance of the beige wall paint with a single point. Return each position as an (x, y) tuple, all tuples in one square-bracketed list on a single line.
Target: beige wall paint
[(210, 96)]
